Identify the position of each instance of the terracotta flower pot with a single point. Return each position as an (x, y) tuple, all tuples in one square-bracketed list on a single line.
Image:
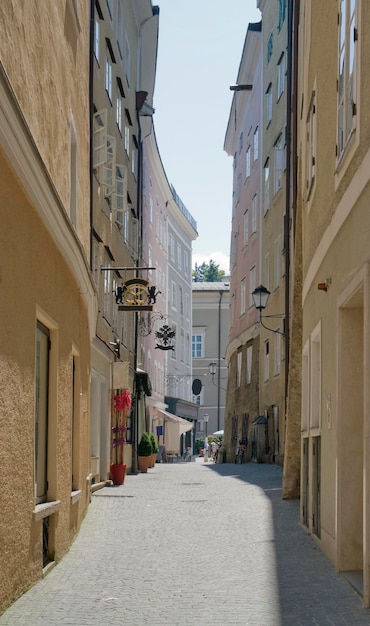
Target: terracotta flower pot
[(118, 473), (143, 462)]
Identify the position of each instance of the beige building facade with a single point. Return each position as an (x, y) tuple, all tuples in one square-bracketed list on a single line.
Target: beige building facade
[(334, 193), (48, 298), (123, 66), (243, 143)]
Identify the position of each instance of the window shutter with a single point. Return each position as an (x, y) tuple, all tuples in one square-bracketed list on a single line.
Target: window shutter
[(109, 167), (100, 138), (119, 198)]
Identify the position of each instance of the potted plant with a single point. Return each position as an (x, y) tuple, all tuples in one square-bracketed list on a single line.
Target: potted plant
[(144, 452), (153, 441), (120, 407)]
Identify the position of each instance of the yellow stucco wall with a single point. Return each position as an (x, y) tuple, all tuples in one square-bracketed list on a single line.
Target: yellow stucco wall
[(44, 276)]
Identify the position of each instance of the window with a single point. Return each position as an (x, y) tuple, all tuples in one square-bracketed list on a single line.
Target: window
[(255, 144), (270, 47), (179, 255), (186, 263), (73, 175), (181, 300), (107, 274), (41, 411), (277, 353), (267, 186), (315, 399), (119, 112), (311, 145), (127, 138), (248, 162), (267, 360), (246, 227), (173, 295), (252, 284), (238, 188), (269, 104), (109, 168), (267, 271), (97, 39), (172, 247), (127, 62), (240, 142), (120, 38), (249, 364), (110, 8), (282, 13), (279, 164), (100, 138), (281, 76), (347, 72), (242, 296), (197, 346), (254, 213), (108, 73), (182, 345), (277, 261), (239, 358), (119, 199)]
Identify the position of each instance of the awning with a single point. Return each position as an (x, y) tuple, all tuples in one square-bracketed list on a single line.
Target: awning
[(184, 425)]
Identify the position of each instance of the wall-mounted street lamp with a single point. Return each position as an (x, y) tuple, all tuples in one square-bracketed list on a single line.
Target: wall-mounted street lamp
[(260, 298)]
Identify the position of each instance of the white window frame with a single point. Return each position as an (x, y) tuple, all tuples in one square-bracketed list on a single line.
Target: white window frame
[(279, 164), (249, 365), (266, 360), (119, 198), (347, 74), (239, 363), (108, 75), (311, 145), (266, 182), (97, 39), (277, 261), (255, 145), (246, 227), (119, 108), (248, 162), (277, 353), (100, 138), (127, 61), (269, 104), (281, 76), (197, 344), (252, 283), (254, 213), (243, 291)]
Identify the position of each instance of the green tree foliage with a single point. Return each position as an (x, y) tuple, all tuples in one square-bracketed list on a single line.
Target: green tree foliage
[(207, 273)]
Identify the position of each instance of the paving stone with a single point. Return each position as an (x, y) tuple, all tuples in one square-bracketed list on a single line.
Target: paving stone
[(192, 544)]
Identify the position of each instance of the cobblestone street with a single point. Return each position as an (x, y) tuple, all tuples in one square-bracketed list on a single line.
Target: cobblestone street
[(187, 544)]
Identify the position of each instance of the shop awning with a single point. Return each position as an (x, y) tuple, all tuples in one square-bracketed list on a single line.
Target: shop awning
[(184, 425)]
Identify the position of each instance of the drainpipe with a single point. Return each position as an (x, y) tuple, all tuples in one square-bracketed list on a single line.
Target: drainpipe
[(91, 116), (287, 196), (219, 361)]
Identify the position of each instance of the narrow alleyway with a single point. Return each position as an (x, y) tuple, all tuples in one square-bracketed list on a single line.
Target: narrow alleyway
[(192, 544)]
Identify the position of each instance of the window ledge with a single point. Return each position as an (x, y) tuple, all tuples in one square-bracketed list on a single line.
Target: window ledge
[(76, 496), (45, 509)]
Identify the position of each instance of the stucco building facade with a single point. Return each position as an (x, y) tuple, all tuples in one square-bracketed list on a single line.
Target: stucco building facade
[(243, 143), (334, 196), (211, 311), (48, 298)]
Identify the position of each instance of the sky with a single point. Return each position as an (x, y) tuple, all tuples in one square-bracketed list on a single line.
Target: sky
[(199, 51)]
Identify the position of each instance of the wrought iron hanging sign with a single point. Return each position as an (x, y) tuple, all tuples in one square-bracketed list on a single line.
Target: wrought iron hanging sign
[(165, 336), (136, 294)]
